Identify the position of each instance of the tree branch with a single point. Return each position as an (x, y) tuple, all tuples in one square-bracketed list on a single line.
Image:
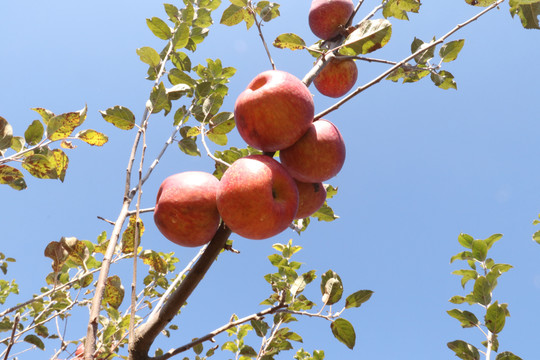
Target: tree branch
[(405, 60), (146, 333)]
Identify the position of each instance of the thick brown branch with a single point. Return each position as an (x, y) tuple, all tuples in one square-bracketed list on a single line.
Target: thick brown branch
[(146, 333)]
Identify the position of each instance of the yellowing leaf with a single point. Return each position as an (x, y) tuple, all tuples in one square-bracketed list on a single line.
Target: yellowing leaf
[(114, 292), (6, 134), (46, 115), (61, 126), (119, 116), (41, 166), (93, 137), (12, 177), (62, 162), (128, 237)]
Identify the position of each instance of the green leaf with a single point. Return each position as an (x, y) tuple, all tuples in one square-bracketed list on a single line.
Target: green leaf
[(496, 317), (536, 236), (189, 147), (17, 143), (331, 287), (181, 36), (159, 28), (260, 327), (481, 3), (34, 133), (465, 240), (399, 8), (12, 177), (222, 123), (34, 340), (371, 35), (203, 18), (247, 350), (114, 292), (344, 332), (528, 12), (464, 350), (119, 116), (466, 318), (267, 10), (492, 240), (41, 166), (92, 137), (443, 80), (507, 355), (325, 213), (149, 56), (479, 250), (449, 51), (482, 291), (424, 56), (229, 345), (467, 275), (6, 134), (289, 41), (219, 139), (358, 298), (232, 15), (465, 255), (159, 99)]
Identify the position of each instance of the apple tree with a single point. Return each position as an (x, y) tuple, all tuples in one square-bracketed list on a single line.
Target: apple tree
[(286, 149)]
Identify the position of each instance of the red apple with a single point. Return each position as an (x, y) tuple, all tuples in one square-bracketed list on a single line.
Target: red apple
[(336, 78), (79, 353), (317, 156), (311, 197), (256, 197), (274, 111), (186, 211), (327, 16)]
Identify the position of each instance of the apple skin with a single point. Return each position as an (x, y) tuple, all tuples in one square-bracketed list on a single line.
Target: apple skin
[(273, 111), (257, 198), (318, 156), (186, 211), (326, 16), (336, 78), (311, 197), (79, 352)]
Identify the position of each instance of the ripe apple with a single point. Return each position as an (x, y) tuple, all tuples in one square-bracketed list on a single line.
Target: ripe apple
[(274, 111), (256, 197), (79, 353), (326, 17), (186, 211), (336, 78), (317, 156), (311, 197)]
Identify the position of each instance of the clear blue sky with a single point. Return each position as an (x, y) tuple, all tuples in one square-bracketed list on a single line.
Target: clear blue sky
[(423, 165)]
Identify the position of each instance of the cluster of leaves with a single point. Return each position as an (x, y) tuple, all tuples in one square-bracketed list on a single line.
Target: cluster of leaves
[(33, 149), (245, 10), (484, 272), (288, 301)]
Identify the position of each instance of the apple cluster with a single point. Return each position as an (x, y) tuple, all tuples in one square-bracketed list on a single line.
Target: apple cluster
[(258, 196)]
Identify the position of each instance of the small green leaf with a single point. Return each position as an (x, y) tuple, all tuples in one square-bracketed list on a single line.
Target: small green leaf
[(479, 250), (17, 143), (149, 56), (181, 36), (399, 8), (219, 139), (464, 350), (260, 327), (34, 133), (344, 332), (492, 240), (496, 317), (371, 35), (46, 115), (248, 351), (289, 41), (189, 147), (482, 291), (467, 275), (62, 162), (6, 134), (457, 300), (232, 15), (34, 340), (159, 99), (528, 12), (443, 80), (465, 240), (325, 213), (536, 236), (465, 255), (12, 177), (466, 318), (424, 56), (119, 116), (507, 355), (92, 137), (331, 287), (358, 298), (449, 51), (159, 28)]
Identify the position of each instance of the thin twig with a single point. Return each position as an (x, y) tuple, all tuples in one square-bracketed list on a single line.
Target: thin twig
[(355, 11), (405, 60), (212, 334), (208, 152), (258, 23), (141, 211), (12, 338)]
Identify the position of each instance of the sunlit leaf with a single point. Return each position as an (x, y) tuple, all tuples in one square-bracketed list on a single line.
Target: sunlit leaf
[(496, 317), (232, 15), (12, 177), (399, 8), (159, 28), (149, 56), (289, 41), (114, 292), (46, 115), (34, 133), (41, 166), (62, 162), (449, 51), (119, 116), (128, 237), (370, 36), (344, 332), (528, 12), (466, 318), (92, 137), (6, 134), (61, 126), (358, 298), (464, 350)]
